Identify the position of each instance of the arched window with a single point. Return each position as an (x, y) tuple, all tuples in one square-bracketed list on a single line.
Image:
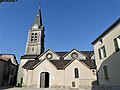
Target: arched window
[(76, 73)]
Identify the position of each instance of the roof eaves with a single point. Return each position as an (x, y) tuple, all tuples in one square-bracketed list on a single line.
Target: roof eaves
[(84, 64), (40, 61), (69, 63), (52, 63), (107, 30)]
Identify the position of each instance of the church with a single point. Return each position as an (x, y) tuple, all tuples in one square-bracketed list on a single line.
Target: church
[(50, 69)]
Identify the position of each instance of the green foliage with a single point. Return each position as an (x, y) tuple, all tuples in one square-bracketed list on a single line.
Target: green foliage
[(18, 85)]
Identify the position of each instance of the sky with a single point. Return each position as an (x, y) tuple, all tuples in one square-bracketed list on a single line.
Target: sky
[(68, 23)]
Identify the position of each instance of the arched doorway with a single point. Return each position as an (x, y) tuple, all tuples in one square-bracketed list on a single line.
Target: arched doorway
[(44, 80)]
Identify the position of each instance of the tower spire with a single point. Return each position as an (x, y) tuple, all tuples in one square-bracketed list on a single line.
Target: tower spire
[(35, 41), (38, 18)]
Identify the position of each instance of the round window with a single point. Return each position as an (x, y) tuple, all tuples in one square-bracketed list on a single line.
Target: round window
[(74, 55), (49, 56)]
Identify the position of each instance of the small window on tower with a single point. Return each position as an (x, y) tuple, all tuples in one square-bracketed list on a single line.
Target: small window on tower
[(32, 49), (31, 40), (35, 36), (35, 33), (32, 33), (32, 37)]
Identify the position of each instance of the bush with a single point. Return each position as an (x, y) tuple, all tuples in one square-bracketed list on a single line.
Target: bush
[(18, 85)]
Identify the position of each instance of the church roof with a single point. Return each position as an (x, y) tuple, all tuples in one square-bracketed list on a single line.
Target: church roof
[(90, 63), (60, 64), (30, 64), (88, 53), (29, 56), (61, 54), (38, 18)]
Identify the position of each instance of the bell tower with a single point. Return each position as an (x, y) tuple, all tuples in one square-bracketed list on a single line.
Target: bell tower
[(35, 40)]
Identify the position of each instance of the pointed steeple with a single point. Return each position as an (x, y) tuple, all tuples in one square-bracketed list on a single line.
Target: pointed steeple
[(38, 18)]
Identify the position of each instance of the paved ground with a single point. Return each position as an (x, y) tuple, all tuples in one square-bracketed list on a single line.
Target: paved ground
[(81, 88)]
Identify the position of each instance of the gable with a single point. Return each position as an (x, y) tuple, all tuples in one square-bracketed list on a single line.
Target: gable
[(79, 54), (87, 63), (45, 65), (49, 55), (77, 64)]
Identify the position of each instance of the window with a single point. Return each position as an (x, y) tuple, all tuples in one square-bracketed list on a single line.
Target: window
[(31, 40), (73, 84), (100, 42), (35, 33), (102, 52), (105, 72), (117, 43), (32, 33), (33, 49), (76, 73), (49, 56), (74, 55), (33, 37)]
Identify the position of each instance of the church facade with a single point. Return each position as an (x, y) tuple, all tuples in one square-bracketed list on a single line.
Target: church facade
[(50, 69)]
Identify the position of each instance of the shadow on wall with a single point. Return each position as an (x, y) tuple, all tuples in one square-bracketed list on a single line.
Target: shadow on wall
[(7, 87), (109, 73)]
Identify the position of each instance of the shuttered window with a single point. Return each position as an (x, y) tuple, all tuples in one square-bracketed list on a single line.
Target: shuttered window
[(106, 72), (117, 43), (99, 54), (102, 52)]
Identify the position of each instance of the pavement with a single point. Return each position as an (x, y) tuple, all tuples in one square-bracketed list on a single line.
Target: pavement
[(80, 88)]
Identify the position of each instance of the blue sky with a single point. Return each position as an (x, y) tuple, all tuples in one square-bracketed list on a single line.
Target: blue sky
[(68, 23)]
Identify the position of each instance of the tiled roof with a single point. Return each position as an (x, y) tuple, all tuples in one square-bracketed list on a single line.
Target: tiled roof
[(88, 53), (29, 56), (60, 64), (90, 63), (61, 54), (30, 64)]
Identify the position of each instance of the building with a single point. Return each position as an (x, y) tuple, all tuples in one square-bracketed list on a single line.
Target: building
[(107, 55), (41, 69), (8, 69)]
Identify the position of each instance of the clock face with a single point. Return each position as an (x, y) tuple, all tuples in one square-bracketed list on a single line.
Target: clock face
[(35, 26)]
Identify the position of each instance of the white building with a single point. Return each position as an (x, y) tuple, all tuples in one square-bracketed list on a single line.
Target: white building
[(107, 55)]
